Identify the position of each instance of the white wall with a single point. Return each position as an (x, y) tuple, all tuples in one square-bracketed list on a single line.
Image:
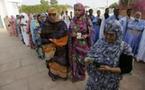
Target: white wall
[(3, 10), (8, 8), (14, 0), (12, 9)]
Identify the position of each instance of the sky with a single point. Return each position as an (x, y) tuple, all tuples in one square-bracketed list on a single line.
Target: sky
[(90, 3)]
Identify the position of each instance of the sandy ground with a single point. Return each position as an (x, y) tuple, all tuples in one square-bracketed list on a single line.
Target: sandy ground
[(20, 69)]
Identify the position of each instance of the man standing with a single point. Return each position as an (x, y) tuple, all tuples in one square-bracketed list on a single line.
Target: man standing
[(125, 20)]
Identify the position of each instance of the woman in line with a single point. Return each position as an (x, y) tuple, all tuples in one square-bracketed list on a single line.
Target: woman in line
[(24, 29), (36, 25), (18, 18), (79, 42), (105, 69), (7, 23), (12, 23), (54, 37), (33, 26)]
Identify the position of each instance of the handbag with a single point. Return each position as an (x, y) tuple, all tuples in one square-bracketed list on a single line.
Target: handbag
[(125, 62), (56, 69)]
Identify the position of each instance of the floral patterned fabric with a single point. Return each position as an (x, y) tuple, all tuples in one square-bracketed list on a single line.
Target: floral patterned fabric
[(106, 54), (78, 48)]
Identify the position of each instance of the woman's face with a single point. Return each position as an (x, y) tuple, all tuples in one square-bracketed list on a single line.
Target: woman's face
[(43, 18), (52, 16), (78, 11), (39, 18), (110, 37), (98, 13)]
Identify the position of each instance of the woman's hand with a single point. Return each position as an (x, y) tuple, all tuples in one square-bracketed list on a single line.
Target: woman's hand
[(39, 32), (106, 68), (52, 40), (74, 34), (88, 60), (84, 36)]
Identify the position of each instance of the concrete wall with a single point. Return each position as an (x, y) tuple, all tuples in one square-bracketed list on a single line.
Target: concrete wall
[(3, 11), (12, 7), (8, 8)]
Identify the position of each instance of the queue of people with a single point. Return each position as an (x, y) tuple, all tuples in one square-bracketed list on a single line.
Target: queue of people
[(73, 45)]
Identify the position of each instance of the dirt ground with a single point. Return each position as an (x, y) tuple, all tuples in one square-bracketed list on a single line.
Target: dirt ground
[(20, 69)]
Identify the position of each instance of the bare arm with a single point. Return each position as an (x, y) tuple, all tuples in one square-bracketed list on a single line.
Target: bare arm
[(106, 68)]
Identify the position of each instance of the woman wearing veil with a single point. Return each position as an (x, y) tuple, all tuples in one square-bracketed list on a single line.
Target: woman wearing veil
[(105, 67)]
